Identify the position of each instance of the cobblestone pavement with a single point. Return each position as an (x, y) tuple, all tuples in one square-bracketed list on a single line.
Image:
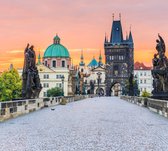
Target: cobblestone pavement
[(97, 124)]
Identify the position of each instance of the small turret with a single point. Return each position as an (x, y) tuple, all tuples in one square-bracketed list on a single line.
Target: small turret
[(82, 59), (39, 59), (130, 37), (100, 59)]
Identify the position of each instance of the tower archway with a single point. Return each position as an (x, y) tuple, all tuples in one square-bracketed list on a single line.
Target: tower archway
[(115, 89)]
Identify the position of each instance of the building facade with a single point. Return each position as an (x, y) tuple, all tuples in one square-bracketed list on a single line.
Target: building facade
[(119, 58), (93, 73), (144, 77)]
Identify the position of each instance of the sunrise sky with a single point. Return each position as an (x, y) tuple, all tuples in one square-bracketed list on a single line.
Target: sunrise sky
[(81, 24)]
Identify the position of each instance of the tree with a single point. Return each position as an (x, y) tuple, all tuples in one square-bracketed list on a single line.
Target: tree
[(53, 92), (136, 91), (10, 85)]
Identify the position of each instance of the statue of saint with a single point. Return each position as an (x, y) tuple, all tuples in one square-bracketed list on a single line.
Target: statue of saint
[(31, 86)]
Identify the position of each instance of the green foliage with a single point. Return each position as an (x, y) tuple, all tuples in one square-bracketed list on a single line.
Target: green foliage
[(53, 92), (10, 85), (145, 94), (135, 87)]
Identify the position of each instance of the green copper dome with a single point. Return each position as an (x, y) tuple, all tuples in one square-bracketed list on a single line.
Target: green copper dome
[(56, 50)]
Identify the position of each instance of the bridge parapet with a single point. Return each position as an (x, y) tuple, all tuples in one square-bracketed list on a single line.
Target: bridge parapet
[(12, 109), (155, 105)]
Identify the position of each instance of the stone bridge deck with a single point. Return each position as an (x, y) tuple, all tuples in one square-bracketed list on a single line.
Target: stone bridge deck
[(97, 124)]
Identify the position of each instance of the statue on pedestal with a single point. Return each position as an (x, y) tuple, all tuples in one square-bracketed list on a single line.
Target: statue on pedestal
[(31, 86), (160, 71)]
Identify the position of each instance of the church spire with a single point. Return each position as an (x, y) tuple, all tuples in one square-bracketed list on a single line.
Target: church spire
[(39, 59), (82, 59), (100, 59)]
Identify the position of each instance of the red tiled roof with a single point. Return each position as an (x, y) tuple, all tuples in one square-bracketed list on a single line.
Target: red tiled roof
[(141, 66)]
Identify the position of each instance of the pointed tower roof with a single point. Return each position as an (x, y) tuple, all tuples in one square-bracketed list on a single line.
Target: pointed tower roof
[(130, 37), (105, 39), (93, 63), (116, 32), (39, 59), (82, 59), (100, 59)]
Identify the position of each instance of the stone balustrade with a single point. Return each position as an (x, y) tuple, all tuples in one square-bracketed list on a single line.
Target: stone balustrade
[(11, 109), (155, 105)]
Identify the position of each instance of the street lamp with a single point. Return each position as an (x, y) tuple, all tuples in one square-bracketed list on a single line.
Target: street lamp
[(62, 79), (99, 74)]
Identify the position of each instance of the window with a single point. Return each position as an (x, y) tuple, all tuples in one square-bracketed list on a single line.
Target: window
[(63, 63), (144, 73), (141, 74), (45, 85), (46, 76), (58, 76), (140, 81), (60, 85), (144, 81), (54, 64)]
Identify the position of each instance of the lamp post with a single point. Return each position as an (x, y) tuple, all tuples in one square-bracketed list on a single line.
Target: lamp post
[(99, 74), (62, 79)]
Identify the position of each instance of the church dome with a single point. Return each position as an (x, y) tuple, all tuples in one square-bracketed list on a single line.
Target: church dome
[(56, 50)]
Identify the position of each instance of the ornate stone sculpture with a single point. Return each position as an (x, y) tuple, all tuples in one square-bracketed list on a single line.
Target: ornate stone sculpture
[(31, 86), (160, 71)]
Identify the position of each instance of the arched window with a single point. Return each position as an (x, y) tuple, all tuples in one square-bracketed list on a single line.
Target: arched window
[(54, 64), (63, 63)]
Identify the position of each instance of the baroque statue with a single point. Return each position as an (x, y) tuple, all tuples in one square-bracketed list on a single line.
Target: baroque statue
[(160, 70), (31, 85)]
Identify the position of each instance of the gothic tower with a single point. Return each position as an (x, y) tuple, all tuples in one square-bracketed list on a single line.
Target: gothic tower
[(119, 57)]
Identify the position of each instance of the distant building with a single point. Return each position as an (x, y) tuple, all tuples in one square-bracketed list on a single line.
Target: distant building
[(144, 77), (119, 59), (90, 74)]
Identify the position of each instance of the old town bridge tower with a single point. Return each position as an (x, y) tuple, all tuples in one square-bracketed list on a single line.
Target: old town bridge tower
[(119, 58)]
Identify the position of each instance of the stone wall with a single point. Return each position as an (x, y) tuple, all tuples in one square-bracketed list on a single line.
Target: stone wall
[(16, 108), (155, 105)]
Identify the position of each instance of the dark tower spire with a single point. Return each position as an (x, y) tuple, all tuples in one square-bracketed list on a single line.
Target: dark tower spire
[(130, 40), (116, 32), (130, 36), (105, 39)]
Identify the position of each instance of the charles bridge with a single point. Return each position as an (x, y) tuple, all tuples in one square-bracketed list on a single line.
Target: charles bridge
[(93, 123)]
